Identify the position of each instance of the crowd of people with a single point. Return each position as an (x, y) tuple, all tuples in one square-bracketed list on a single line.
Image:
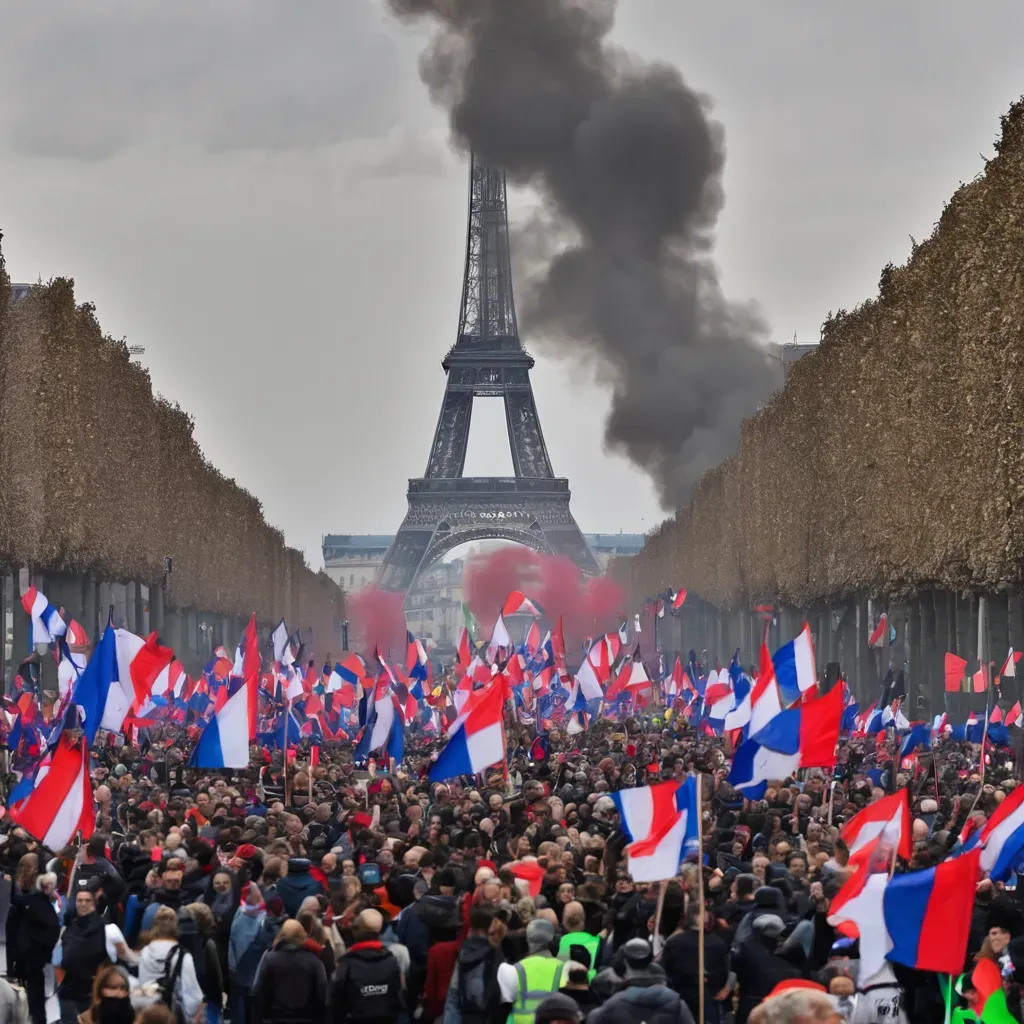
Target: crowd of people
[(333, 893)]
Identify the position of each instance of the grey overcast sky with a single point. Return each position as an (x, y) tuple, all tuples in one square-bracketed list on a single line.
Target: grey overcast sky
[(259, 192)]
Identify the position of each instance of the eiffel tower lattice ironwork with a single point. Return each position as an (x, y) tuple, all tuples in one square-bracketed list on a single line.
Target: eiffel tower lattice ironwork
[(487, 360)]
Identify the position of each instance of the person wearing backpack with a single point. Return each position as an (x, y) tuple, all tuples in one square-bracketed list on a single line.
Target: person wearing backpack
[(473, 996), (291, 983), (367, 986), (167, 971), (205, 956)]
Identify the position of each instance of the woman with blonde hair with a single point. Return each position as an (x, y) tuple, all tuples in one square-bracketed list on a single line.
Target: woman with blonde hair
[(163, 955), (291, 983)]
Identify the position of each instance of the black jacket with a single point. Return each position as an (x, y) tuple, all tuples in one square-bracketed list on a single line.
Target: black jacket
[(434, 918), (32, 931), (367, 986), (679, 959), (642, 1003), (758, 970), (291, 987), (83, 949)]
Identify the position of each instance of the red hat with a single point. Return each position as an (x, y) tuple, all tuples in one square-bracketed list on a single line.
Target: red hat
[(791, 983), (147, 806), (246, 851), (361, 819)]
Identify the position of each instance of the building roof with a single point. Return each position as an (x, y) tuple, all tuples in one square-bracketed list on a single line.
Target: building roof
[(615, 541), (358, 541)]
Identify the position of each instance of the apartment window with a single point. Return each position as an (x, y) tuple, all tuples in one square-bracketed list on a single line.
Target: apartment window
[(352, 579)]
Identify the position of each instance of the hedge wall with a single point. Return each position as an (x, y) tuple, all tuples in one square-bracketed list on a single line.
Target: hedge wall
[(100, 475), (893, 458)]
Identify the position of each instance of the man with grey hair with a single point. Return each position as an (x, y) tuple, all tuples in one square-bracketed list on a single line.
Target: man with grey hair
[(526, 984), (796, 1006)]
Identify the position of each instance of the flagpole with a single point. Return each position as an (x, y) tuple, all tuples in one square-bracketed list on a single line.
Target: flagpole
[(657, 916), (700, 899)]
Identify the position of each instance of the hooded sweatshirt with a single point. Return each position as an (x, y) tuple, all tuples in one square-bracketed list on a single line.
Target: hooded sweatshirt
[(297, 885), (153, 964), (477, 968), (248, 940)]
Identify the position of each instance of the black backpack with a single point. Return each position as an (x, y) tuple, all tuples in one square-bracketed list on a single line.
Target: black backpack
[(193, 943), (474, 991), (168, 982)]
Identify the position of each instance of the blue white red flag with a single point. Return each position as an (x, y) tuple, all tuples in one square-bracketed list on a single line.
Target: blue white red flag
[(800, 737), (47, 624), (921, 919), (224, 743), (476, 739), (61, 801), (890, 815), (661, 823)]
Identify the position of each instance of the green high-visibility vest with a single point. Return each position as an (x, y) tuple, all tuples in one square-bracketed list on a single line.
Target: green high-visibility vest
[(591, 943), (539, 976)]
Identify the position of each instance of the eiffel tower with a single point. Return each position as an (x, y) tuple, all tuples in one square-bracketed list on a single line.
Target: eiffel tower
[(487, 360)]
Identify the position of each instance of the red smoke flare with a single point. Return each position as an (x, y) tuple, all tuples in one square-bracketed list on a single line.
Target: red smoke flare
[(587, 608), (377, 619)]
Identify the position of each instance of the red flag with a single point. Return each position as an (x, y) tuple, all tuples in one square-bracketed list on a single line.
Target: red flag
[(955, 668)]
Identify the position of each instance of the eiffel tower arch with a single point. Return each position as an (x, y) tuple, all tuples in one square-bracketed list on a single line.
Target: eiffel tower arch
[(488, 359)]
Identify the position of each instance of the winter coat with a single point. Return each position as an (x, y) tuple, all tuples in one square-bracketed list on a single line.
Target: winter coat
[(297, 885), (758, 970), (83, 949), (153, 963), (250, 938), (679, 959), (367, 986), (476, 952), (291, 986), (643, 1004), (433, 918), (32, 931)]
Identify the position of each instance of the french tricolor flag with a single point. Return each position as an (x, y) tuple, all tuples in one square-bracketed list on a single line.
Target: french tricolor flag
[(890, 815), (518, 603), (476, 739), (595, 670), (500, 638), (47, 624), (224, 743), (61, 801), (800, 737), (1009, 668), (794, 667), (880, 633), (661, 823), (1002, 837), (921, 919)]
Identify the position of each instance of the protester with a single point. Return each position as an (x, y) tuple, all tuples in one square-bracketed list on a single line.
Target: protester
[(291, 984), (498, 896), (111, 1002), (164, 957), (32, 931), (83, 947)]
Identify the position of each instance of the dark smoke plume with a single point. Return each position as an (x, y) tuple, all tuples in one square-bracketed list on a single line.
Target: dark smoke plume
[(628, 168)]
